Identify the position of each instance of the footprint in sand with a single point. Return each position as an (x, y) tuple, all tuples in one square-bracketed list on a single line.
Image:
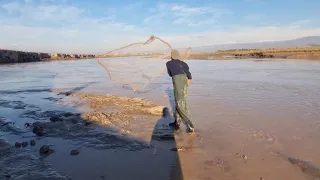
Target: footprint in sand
[(216, 167), (262, 136), (265, 137), (218, 162), (257, 135)]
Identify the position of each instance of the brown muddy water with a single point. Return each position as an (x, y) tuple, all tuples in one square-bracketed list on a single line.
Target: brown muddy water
[(255, 120)]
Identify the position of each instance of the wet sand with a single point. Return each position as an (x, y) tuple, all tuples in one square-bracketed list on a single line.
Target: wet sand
[(115, 138), (252, 119)]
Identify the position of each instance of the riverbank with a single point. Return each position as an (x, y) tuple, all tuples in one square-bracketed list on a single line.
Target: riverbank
[(11, 56), (287, 53), (307, 53)]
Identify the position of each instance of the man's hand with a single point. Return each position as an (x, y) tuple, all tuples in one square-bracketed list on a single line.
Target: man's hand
[(189, 82)]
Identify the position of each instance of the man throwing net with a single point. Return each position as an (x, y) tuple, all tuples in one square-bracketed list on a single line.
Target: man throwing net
[(181, 78)]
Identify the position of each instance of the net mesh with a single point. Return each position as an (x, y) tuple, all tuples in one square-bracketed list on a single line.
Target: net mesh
[(137, 65)]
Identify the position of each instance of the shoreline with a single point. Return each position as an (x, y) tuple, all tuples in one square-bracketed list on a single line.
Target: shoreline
[(12, 56), (304, 53)]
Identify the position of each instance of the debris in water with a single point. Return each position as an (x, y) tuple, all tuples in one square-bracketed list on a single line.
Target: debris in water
[(32, 142), (44, 149), (24, 144), (17, 144), (74, 152)]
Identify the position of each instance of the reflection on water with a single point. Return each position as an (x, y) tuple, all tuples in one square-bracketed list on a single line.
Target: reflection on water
[(236, 104)]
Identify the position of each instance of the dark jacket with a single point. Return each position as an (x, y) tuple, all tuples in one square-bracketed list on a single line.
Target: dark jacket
[(176, 66)]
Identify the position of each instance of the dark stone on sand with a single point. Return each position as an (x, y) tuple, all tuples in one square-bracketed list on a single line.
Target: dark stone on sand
[(32, 142), (40, 133), (56, 119), (244, 157), (68, 114), (68, 93), (27, 125), (44, 149), (38, 130), (74, 121), (74, 152), (24, 144), (17, 144)]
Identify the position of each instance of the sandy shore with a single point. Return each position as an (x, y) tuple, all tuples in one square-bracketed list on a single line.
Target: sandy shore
[(124, 134)]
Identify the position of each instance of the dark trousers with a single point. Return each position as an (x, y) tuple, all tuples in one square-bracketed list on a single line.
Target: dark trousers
[(180, 87)]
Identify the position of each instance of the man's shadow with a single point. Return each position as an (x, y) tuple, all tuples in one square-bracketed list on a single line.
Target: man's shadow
[(165, 147), (170, 94)]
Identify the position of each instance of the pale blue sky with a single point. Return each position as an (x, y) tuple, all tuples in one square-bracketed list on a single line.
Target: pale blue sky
[(96, 26)]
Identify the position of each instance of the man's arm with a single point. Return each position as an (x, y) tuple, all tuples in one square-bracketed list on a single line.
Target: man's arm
[(188, 73), (168, 70)]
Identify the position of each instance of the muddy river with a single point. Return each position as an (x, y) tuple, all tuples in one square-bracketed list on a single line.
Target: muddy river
[(254, 120)]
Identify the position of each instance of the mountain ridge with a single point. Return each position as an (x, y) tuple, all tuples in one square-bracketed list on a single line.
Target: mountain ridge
[(307, 41)]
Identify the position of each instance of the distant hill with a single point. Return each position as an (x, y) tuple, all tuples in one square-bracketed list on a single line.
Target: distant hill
[(314, 45), (300, 42)]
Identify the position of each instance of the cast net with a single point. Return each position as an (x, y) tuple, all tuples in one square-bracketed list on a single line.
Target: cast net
[(138, 65)]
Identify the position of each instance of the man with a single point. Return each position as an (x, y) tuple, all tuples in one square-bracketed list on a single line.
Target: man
[(181, 79)]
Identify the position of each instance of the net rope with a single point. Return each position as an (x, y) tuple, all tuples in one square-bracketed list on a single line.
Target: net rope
[(123, 62)]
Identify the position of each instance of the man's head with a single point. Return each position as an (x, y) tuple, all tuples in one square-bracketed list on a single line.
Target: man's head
[(175, 54)]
